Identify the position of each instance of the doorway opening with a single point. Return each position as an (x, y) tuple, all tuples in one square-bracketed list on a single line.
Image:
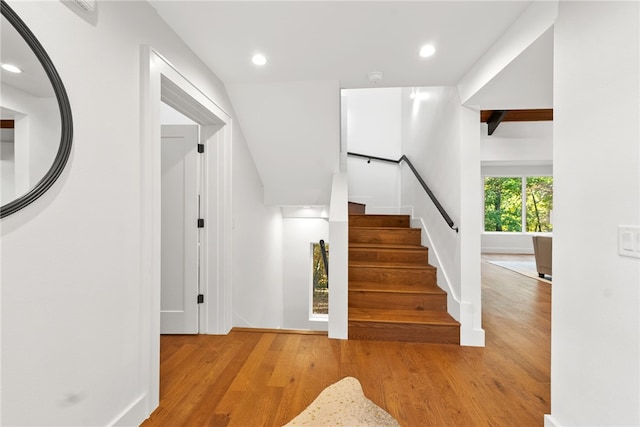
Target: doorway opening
[(181, 185), (163, 83)]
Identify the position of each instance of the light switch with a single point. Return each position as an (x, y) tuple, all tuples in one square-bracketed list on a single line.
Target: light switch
[(629, 240)]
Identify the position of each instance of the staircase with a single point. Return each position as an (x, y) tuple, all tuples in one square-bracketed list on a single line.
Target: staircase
[(393, 291)]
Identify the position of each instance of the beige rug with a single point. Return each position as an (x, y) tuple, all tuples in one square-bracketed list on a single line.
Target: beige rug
[(343, 404), (526, 268)]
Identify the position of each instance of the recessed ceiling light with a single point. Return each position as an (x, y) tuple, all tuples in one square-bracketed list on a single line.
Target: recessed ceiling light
[(11, 68), (427, 50), (259, 59)]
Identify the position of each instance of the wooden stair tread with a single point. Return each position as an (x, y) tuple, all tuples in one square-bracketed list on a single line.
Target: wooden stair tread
[(382, 264), (372, 217), (395, 288), (388, 246), (357, 221), (368, 227), (425, 317), (384, 215)]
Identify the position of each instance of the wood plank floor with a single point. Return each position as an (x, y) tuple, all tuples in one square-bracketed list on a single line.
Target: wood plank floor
[(266, 379)]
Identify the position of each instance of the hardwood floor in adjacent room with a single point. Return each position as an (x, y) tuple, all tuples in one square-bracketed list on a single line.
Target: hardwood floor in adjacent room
[(266, 379)]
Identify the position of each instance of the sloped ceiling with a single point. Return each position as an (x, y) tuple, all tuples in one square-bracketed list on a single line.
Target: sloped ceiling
[(526, 83), (293, 131)]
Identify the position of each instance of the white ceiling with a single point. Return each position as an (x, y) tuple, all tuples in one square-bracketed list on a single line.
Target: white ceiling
[(337, 40)]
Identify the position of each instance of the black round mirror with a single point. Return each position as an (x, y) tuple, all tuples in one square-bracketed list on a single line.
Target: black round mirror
[(36, 125)]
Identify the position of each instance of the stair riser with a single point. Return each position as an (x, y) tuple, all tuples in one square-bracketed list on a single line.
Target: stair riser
[(407, 236), (419, 257), (379, 221), (420, 277), (380, 331), (400, 301)]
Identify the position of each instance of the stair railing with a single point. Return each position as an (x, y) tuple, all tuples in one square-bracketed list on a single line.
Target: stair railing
[(323, 252), (424, 185)]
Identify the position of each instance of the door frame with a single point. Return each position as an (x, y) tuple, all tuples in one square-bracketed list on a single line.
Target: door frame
[(162, 82)]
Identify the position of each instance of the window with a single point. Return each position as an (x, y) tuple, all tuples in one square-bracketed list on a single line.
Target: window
[(539, 192), (320, 280), (507, 198), (502, 204)]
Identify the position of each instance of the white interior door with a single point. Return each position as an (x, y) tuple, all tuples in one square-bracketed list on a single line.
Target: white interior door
[(179, 235)]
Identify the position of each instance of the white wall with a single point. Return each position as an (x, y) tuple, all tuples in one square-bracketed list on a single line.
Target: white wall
[(257, 247), (373, 119), (293, 131), (595, 330), (298, 234), (70, 268), (506, 243), (431, 140), (442, 140), (521, 143)]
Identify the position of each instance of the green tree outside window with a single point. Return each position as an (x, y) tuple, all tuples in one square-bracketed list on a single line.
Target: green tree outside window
[(502, 204), (539, 203), (320, 282), (503, 201)]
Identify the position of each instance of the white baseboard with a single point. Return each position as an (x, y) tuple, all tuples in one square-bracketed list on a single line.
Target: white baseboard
[(471, 337), (133, 415), (443, 277), (453, 305), (406, 210), (549, 421), (470, 334), (240, 322)]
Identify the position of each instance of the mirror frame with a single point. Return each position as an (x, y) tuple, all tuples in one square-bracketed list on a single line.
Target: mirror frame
[(66, 137)]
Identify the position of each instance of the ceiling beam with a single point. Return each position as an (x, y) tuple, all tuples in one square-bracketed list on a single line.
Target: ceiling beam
[(496, 117), (538, 115), (7, 124), (493, 118)]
